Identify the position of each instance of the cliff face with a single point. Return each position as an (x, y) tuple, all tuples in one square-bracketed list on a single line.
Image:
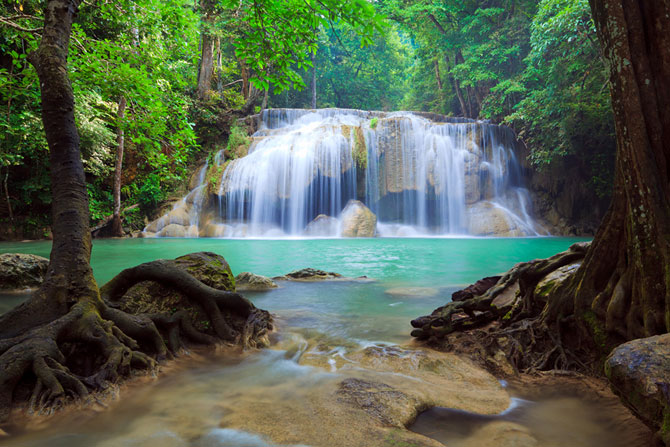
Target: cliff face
[(563, 200)]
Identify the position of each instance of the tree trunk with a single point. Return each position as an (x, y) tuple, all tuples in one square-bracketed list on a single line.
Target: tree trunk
[(312, 57), (117, 229), (457, 89), (625, 278), (437, 75), (71, 252), (206, 70), (621, 290), (65, 339)]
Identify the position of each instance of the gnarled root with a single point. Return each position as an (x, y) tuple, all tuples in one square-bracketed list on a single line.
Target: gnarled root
[(526, 328), (95, 344)]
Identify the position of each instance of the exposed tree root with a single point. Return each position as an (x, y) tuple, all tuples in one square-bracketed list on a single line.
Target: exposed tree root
[(94, 344), (512, 317)]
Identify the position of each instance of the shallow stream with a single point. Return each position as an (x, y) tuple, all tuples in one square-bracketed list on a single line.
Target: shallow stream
[(224, 400)]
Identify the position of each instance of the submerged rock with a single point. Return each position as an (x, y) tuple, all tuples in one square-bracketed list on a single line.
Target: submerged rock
[(249, 281), (358, 220), (323, 225), (412, 291), (377, 392), (21, 271), (639, 373), (308, 274)]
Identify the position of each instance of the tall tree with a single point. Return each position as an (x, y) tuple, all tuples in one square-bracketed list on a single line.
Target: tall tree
[(68, 310), (625, 278)]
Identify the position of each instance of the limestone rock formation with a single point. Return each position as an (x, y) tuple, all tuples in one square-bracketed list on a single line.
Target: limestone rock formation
[(487, 219), (639, 373), (358, 220), (322, 225), (21, 271), (250, 281), (172, 230)]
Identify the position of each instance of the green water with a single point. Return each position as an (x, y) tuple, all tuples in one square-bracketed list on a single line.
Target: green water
[(363, 311), (430, 261), (328, 319)]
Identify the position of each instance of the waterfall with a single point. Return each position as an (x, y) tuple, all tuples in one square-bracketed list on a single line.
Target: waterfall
[(418, 173)]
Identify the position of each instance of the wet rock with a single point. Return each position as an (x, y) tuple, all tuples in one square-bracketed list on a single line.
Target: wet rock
[(308, 274), (476, 289), (249, 281), (172, 230), (215, 230), (376, 393), (639, 373), (487, 219), (358, 220), (384, 403), (323, 225), (21, 271)]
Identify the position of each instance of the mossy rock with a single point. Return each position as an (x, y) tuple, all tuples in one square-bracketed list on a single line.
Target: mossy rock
[(20, 271), (151, 297), (639, 373)]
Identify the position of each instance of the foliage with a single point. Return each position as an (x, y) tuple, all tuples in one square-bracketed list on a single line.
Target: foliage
[(533, 65), (350, 75), (238, 137), (150, 193)]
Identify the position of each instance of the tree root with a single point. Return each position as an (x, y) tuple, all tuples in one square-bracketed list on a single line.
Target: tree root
[(526, 328), (94, 344)]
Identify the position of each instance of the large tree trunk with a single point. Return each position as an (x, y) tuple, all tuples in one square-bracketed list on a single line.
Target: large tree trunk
[(625, 278), (117, 228), (621, 290)]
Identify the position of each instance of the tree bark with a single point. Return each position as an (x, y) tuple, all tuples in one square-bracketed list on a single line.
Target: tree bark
[(625, 278), (117, 228), (70, 255), (457, 89), (206, 70), (437, 75)]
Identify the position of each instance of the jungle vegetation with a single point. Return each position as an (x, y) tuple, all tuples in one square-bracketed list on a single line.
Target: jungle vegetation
[(158, 84)]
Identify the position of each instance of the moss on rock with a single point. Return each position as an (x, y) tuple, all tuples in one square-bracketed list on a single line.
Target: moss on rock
[(150, 297)]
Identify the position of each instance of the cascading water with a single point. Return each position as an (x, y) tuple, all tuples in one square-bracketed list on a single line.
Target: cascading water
[(419, 174)]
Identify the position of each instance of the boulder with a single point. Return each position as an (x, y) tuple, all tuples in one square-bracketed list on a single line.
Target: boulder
[(639, 373), (21, 271), (249, 281), (152, 297), (172, 230), (358, 220), (323, 225), (487, 219), (215, 230)]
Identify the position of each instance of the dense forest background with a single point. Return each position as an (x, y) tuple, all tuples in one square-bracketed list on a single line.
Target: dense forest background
[(166, 81)]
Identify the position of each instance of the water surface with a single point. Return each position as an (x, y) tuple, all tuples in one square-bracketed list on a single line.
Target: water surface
[(185, 408)]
